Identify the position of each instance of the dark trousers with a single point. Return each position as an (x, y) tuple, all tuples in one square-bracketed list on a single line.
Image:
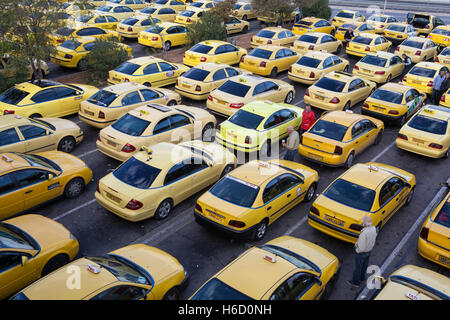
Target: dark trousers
[(361, 264), (290, 155), (435, 97)]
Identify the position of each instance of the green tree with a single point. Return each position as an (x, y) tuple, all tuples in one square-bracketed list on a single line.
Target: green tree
[(13, 72), (314, 8), (278, 11), (224, 9), (210, 27)]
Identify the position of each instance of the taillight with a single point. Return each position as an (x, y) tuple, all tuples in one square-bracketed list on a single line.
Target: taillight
[(198, 208), (269, 42), (312, 75), (430, 83), (367, 48), (427, 26), (59, 41), (128, 148), (397, 49), (8, 112), (210, 98), (335, 100), (290, 69), (402, 136), (101, 115), (155, 38), (418, 52), (248, 140), (334, 20), (424, 233), (262, 64), (203, 59), (236, 224), (307, 92), (314, 210), (356, 227), (436, 60), (443, 98), (337, 150), (127, 80), (404, 78), (395, 112), (380, 72), (382, 26), (98, 186), (133, 204), (98, 138), (311, 47), (236, 105), (347, 44), (435, 146), (198, 88), (356, 67), (365, 105), (130, 29), (188, 20)]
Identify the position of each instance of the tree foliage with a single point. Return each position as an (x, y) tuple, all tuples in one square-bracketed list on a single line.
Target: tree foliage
[(315, 8), (210, 27), (277, 10), (14, 72), (224, 9)]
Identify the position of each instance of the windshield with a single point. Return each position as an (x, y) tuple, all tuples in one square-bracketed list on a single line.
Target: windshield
[(215, 289), (303, 23), (39, 161), (260, 53), (330, 84), (130, 21), (237, 6), (103, 98), (308, 62), (348, 26), (148, 10), (196, 4), (127, 68), (71, 44), (308, 38), (396, 28), (11, 239), (137, 173), (388, 96), (345, 15), (422, 72), (246, 119), (234, 88), (154, 29), (431, 125), (64, 31), (374, 60), (265, 34), (201, 48), (297, 260), (377, 18), (351, 194), (13, 96), (231, 189), (362, 40), (413, 44), (329, 130), (196, 74), (104, 8), (443, 217), (131, 125)]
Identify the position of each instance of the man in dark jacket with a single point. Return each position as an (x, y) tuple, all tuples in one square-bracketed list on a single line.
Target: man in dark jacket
[(348, 36), (444, 86)]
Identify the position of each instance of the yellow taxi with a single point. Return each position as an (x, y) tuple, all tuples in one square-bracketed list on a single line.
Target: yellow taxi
[(31, 180), (46, 98), (271, 272), (213, 51), (365, 43), (380, 21), (32, 247), (173, 172), (356, 26), (338, 90), (379, 67), (338, 137), (427, 133), (418, 49), (433, 241), (133, 4), (150, 71), (98, 3), (393, 102), (27, 135), (268, 60), (160, 12), (134, 272), (6, 71), (130, 27), (189, 16), (199, 81), (164, 35), (202, 5), (71, 53), (398, 32), (244, 11), (415, 283), (103, 21), (271, 189), (445, 99), (422, 75), (314, 64), (273, 35), (151, 124), (69, 32), (366, 189), (178, 6), (443, 57), (118, 11), (344, 16), (441, 36), (279, 18), (110, 103), (75, 9), (242, 89), (424, 23), (316, 41), (234, 25), (258, 125), (312, 24)]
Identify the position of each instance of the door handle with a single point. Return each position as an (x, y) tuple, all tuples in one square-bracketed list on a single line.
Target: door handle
[(288, 195), (29, 191), (383, 212), (356, 142), (268, 208), (396, 199)]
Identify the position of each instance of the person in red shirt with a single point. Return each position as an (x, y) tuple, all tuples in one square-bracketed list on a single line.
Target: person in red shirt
[(308, 119)]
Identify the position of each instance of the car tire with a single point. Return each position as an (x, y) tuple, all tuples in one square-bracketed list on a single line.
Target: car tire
[(339, 50), (167, 46), (228, 168), (245, 29), (67, 144), (244, 17), (346, 68), (148, 84), (274, 72), (208, 133), (55, 263), (445, 156), (378, 138), (410, 197), (33, 76), (172, 103), (172, 294), (378, 228), (350, 160), (74, 188), (389, 78), (260, 231), (163, 209), (402, 120), (289, 97), (347, 106), (311, 192)]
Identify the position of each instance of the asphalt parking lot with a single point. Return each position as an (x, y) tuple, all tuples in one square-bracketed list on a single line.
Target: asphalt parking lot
[(204, 252)]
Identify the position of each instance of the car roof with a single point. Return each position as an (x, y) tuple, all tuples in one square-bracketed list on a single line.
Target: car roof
[(167, 24), (429, 65), (144, 60), (210, 66), (316, 34), (124, 87), (342, 117), (271, 47), (368, 35), (397, 87), (384, 54), (257, 172), (164, 155), (418, 39), (311, 19), (446, 27), (275, 29), (10, 161), (322, 55), (214, 42), (361, 174), (349, 11), (31, 86), (344, 76), (437, 112), (402, 24), (263, 108), (151, 111), (9, 119), (249, 79)]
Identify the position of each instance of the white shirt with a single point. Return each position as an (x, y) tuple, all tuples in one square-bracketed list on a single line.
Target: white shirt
[(366, 239)]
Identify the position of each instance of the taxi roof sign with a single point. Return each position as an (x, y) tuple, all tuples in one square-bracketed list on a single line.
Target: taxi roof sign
[(373, 168), (270, 258), (93, 269), (6, 158)]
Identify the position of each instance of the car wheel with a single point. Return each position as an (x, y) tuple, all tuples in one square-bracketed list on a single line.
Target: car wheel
[(55, 263), (167, 45), (410, 196), (339, 50), (311, 192), (163, 209), (378, 138), (260, 231), (289, 97), (74, 188), (67, 144), (274, 72), (346, 68), (172, 103), (378, 228), (244, 17), (228, 168), (347, 106), (148, 84), (245, 29), (82, 65), (208, 133), (445, 156), (350, 160), (265, 150), (389, 78), (35, 115), (172, 294), (402, 120)]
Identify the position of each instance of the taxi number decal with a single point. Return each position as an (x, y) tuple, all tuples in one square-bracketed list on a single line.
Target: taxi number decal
[(411, 106), (170, 74), (299, 191)]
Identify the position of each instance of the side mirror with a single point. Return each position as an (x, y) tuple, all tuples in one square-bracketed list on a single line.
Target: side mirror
[(319, 283), (24, 260), (51, 176)]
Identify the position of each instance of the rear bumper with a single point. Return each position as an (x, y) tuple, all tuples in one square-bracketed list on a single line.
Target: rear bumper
[(381, 116), (332, 230), (95, 123), (192, 95), (420, 149), (356, 53), (121, 156), (233, 146), (322, 104), (433, 252), (126, 214), (296, 78), (222, 229), (328, 159)]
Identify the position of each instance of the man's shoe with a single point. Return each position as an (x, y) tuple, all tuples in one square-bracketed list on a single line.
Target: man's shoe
[(350, 282)]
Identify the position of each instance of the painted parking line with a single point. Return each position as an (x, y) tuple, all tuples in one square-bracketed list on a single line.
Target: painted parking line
[(74, 210), (86, 153)]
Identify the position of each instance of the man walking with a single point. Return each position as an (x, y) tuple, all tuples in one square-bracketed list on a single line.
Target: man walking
[(308, 119), (408, 64), (437, 83), (363, 248), (445, 86), (291, 144)]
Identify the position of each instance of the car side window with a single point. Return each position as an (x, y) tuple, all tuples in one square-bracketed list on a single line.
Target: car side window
[(131, 98), (7, 183), (219, 75), (271, 190), (280, 54), (357, 130), (146, 22), (64, 92), (269, 85), (259, 88), (44, 96), (149, 94), (294, 287), (177, 172), (409, 96), (151, 68), (172, 30), (390, 189), (89, 46), (282, 35), (336, 59), (161, 126), (100, 19), (220, 49), (112, 19), (166, 67), (232, 72), (31, 131), (286, 115), (28, 177), (289, 33), (8, 136), (178, 120), (287, 181), (247, 7), (356, 84), (9, 260), (378, 41), (90, 32), (327, 63), (367, 125), (195, 164), (121, 292), (288, 53)]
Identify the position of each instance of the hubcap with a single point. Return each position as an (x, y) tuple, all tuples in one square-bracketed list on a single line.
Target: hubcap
[(261, 231), (289, 97), (227, 170), (207, 133), (75, 188), (164, 210), (67, 145), (310, 193)]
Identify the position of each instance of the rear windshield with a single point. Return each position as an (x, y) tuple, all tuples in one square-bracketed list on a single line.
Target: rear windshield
[(443, 217), (13, 96), (427, 124), (154, 29), (362, 40), (348, 26), (265, 34), (396, 28), (201, 48), (84, 18), (246, 119), (131, 125), (234, 88), (103, 98), (215, 289), (330, 84), (231, 189), (302, 23), (308, 62), (308, 38), (127, 68), (329, 130), (351, 194), (104, 8), (148, 10), (196, 74), (442, 32), (71, 44), (374, 60), (130, 21), (422, 72), (388, 96), (237, 6), (413, 44), (377, 18), (136, 173), (345, 15), (187, 13), (64, 31), (260, 53), (196, 4)]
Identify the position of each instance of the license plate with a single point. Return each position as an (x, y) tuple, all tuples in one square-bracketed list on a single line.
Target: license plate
[(320, 97), (89, 113), (446, 61), (113, 198), (377, 108), (232, 135), (111, 143), (315, 156), (443, 259), (215, 216), (116, 79), (259, 41), (221, 102), (356, 47), (417, 81), (300, 48), (186, 85), (418, 140), (334, 220), (365, 70)]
